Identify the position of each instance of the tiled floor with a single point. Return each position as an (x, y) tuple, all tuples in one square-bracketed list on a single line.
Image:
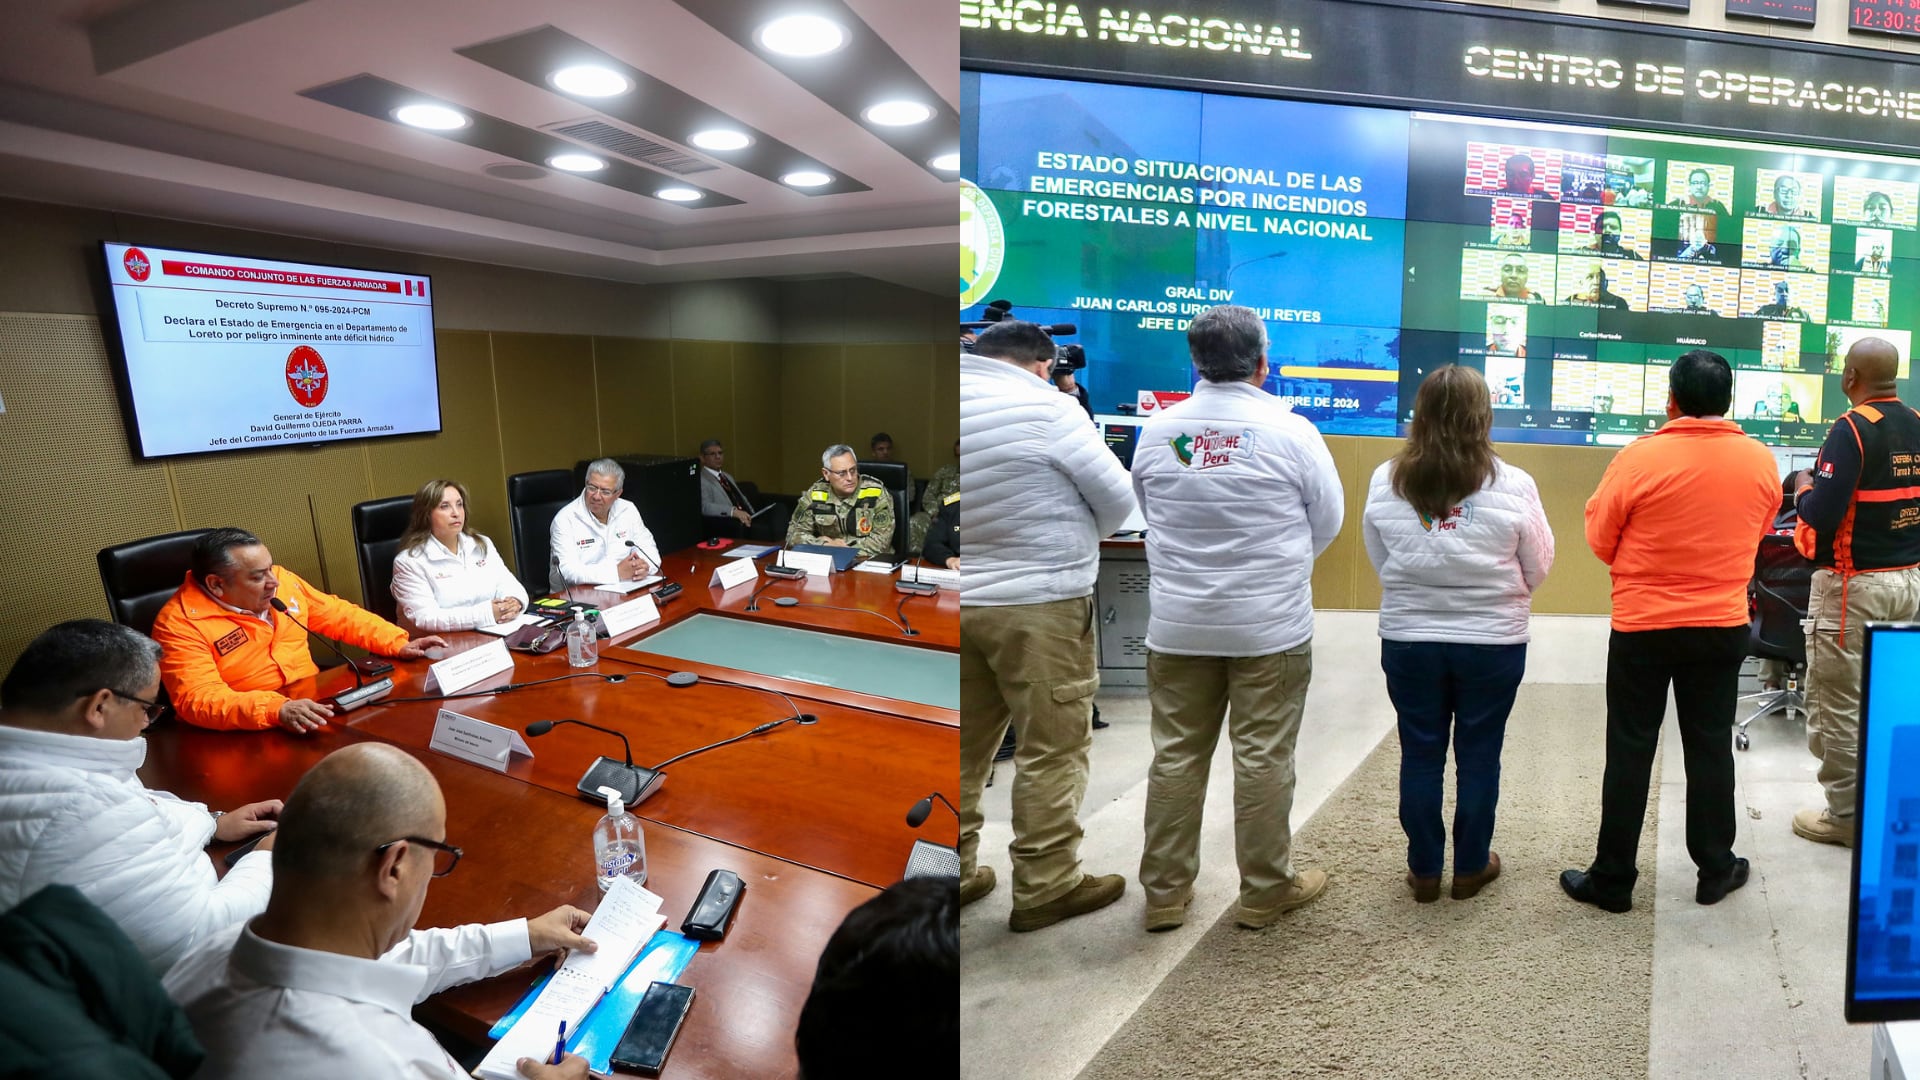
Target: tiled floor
[(1748, 988)]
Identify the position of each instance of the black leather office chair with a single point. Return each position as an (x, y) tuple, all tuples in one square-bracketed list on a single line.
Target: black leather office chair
[(140, 575), (533, 498), (897, 476), (1781, 588), (377, 526)]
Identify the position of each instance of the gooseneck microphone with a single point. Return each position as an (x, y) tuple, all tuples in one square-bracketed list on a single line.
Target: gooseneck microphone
[(631, 781), (928, 859), (363, 691)]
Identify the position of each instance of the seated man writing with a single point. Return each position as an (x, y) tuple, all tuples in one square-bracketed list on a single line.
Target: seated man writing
[(229, 651), (844, 508)]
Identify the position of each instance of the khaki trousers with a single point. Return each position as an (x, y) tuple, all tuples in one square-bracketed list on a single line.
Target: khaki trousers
[(1833, 671), (1031, 666), (1260, 698)]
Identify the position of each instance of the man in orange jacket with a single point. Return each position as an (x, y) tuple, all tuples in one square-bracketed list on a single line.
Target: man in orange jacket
[(228, 652), (1678, 517)]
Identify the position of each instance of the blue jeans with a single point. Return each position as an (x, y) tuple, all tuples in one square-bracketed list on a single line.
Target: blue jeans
[(1465, 691)]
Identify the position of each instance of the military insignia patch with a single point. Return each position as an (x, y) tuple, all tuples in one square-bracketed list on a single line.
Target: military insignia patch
[(864, 523), (231, 642)]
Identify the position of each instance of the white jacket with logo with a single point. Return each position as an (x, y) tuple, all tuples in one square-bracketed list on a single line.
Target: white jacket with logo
[(73, 812), (1240, 496), (1467, 579), (436, 589), (1042, 489), (585, 552)]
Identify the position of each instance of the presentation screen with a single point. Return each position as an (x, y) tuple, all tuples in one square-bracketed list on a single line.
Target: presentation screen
[(1571, 265), (222, 352), (1883, 966)]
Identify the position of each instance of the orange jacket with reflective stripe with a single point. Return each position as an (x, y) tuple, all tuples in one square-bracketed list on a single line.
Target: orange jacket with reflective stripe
[(223, 669), (1678, 517)]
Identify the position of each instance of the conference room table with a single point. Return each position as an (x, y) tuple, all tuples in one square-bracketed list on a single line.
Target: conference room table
[(811, 817)]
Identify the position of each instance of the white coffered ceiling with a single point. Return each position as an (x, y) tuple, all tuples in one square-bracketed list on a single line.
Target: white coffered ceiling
[(254, 114)]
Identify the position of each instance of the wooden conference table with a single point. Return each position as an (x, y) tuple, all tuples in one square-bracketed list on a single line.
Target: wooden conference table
[(811, 818)]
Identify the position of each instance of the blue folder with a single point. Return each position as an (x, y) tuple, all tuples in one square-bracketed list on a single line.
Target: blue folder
[(663, 958)]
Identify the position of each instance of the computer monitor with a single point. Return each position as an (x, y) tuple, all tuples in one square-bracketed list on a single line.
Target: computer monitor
[(1883, 962)]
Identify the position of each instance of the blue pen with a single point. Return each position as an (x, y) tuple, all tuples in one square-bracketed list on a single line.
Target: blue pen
[(560, 1044)]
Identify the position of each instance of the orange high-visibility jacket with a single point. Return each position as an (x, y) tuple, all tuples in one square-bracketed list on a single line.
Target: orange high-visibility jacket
[(1678, 517), (224, 670)]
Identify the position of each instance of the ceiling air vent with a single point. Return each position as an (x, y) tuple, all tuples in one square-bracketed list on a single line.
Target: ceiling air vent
[(634, 147)]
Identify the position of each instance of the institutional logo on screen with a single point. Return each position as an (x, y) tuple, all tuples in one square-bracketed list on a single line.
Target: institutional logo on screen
[(306, 376), (136, 263), (983, 244)]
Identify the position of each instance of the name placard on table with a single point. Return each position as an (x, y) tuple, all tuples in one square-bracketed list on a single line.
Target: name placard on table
[(813, 562), (632, 615), (456, 673), (734, 572), (476, 741)]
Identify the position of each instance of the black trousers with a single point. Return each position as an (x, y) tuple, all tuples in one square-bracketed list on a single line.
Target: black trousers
[(1702, 664)]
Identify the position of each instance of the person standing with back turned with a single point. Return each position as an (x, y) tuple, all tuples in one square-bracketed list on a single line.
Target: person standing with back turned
[(1678, 516)]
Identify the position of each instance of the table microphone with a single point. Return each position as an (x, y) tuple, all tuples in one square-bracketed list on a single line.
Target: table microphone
[(363, 691), (916, 586), (779, 569), (929, 859), (631, 781)]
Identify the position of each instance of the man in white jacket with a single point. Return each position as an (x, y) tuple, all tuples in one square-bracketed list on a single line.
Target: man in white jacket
[(1042, 489), (1240, 496), (598, 538), (73, 811)]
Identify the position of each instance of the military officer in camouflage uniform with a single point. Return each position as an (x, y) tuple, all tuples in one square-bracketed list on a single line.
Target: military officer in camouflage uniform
[(844, 508), (944, 483)]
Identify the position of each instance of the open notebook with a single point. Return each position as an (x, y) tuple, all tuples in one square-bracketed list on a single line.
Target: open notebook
[(628, 915)]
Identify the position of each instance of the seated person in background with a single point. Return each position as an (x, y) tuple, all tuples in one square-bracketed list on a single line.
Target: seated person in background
[(945, 482), (446, 576), (723, 497), (1697, 302), (1784, 250), (1781, 308), (880, 447), (228, 651), (943, 539), (598, 538), (1700, 192), (1874, 261), (73, 810), (1596, 292), (1606, 237), (1513, 282), (844, 508), (1879, 208), (887, 990), (323, 983), (1517, 176), (1696, 237), (1786, 199)]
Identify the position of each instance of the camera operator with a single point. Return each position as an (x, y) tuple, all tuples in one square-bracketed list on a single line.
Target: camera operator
[(1064, 381), (1042, 489)]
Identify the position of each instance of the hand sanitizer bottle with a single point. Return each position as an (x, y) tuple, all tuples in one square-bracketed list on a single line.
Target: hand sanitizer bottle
[(619, 848), (583, 639)]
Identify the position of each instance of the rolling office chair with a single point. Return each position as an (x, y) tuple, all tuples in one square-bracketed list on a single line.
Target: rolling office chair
[(897, 478), (1782, 583), (140, 576), (533, 498), (377, 526)]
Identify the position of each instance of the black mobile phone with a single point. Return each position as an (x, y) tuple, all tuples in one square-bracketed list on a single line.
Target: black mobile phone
[(374, 666), (234, 856), (655, 1023)]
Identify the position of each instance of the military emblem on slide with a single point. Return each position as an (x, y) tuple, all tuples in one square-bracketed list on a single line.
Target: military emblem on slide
[(137, 264), (306, 376), (983, 244)]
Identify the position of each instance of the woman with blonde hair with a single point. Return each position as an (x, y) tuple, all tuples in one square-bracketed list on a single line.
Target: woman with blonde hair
[(446, 576), (1460, 542)]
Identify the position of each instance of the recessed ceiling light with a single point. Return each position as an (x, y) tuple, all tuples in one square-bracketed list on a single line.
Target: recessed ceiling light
[(679, 194), (806, 178), (720, 139), (591, 80), (947, 162), (577, 162), (898, 113), (801, 35), (431, 117)]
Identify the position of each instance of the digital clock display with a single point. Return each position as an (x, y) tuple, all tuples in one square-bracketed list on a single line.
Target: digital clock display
[(1898, 17), (1798, 12)]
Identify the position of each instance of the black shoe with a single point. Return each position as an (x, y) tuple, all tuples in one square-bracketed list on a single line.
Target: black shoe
[(1579, 885), (1005, 752), (1715, 889), (1097, 722)]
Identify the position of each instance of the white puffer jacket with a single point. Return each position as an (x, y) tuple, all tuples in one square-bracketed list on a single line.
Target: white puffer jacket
[(1240, 496), (1042, 489), (72, 812), (1468, 579)]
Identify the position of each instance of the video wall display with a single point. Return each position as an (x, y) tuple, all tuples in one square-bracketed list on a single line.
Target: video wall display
[(1571, 265)]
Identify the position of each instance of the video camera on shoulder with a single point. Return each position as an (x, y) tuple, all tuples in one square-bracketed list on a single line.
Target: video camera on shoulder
[(1066, 358)]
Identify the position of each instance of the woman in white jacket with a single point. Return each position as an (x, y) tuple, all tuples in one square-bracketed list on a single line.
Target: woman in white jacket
[(1460, 542), (446, 576)]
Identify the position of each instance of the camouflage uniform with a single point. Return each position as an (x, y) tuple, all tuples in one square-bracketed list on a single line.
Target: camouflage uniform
[(944, 483), (943, 537), (864, 519)]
